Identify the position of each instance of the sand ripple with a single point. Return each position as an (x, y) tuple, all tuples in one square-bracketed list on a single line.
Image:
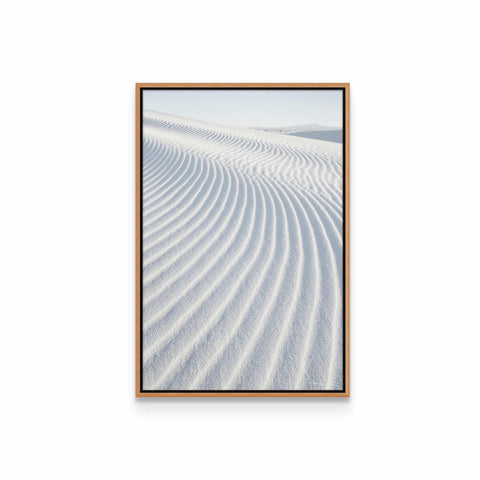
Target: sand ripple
[(242, 259)]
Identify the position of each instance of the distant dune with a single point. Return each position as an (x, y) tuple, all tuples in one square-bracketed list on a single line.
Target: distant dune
[(327, 135), (310, 127), (314, 131), (242, 258)]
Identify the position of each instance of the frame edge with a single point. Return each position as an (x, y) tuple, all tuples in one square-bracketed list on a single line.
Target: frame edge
[(347, 239), (138, 306)]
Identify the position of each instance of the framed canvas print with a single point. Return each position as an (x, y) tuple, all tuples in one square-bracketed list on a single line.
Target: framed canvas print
[(242, 226)]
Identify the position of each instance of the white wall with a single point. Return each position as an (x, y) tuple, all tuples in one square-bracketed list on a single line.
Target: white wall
[(67, 259)]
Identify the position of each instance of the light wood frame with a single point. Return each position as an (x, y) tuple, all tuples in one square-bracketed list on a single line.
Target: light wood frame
[(138, 187)]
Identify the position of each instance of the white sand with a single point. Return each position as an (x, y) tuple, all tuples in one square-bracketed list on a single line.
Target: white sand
[(242, 249)]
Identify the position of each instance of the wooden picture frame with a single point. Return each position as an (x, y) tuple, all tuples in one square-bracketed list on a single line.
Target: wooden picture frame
[(345, 392)]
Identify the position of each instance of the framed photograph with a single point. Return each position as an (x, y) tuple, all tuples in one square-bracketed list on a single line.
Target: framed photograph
[(242, 231)]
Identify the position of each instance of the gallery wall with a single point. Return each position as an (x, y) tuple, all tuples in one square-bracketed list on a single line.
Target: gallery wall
[(67, 203)]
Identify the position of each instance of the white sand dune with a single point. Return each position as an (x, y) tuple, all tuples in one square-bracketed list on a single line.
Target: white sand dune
[(242, 259)]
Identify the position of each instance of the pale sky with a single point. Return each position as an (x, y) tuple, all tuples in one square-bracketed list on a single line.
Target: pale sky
[(250, 108)]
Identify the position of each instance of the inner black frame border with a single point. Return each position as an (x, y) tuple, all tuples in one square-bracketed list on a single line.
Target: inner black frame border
[(343, 89)]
